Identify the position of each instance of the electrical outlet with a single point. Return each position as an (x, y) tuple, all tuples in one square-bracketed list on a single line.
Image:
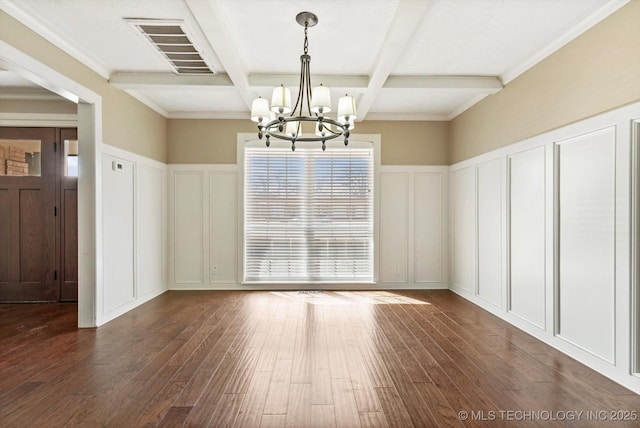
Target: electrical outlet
[(214, 270), (396, 270)]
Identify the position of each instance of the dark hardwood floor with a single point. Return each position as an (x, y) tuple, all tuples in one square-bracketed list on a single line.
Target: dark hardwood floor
[(269, 359)]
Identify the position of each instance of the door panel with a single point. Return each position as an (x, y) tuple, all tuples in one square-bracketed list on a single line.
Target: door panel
[(4, 234), (27, 222), (68, 217)]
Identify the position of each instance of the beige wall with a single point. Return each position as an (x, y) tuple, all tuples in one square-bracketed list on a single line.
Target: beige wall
[(596, 72), (38, 106), (214, 141), (126, 123)]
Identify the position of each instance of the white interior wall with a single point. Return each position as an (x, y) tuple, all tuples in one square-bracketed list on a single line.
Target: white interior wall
[(550, 237)]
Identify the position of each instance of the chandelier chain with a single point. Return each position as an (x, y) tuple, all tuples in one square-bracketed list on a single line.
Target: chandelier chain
[(306, 40)]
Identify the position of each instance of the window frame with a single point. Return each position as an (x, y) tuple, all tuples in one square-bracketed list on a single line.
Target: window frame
[(244, 139)]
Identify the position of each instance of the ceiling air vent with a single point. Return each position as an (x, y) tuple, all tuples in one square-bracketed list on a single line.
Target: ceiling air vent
[(175, 43)]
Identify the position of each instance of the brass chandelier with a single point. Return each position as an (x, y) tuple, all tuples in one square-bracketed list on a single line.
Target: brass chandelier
[(273, 122)]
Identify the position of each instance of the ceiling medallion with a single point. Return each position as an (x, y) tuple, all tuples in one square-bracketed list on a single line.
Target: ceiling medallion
[(272, 122)]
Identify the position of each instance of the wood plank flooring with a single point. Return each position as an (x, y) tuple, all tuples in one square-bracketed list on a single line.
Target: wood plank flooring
[(292, 359)]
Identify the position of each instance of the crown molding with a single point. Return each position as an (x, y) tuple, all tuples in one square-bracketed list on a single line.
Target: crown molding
[(11, 7), (209, 115), (562, 39), (38, 120), (424, 117), (148, 102)]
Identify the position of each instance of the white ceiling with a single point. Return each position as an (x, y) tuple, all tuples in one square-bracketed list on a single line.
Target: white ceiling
[(401, 59)]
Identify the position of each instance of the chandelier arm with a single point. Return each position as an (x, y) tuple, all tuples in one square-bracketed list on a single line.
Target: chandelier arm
[(300, 86), (308, 78)]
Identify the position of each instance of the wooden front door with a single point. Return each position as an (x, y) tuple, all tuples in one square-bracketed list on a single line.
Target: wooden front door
[(28, 215)]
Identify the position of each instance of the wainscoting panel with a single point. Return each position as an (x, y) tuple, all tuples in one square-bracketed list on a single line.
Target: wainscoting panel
[(118, 227), (412, 209), (394, 225), (134, 212), (188, 238), (428, 227), (586, 281), (527, 235), (567, 242), (490, 221), (223, 224), (463, 229), (151, 228)]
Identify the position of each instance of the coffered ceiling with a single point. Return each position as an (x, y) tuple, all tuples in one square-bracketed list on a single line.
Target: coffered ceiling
[(400, 59)]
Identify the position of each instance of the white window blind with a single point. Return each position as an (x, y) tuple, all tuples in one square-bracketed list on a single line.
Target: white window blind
[(308, 214)]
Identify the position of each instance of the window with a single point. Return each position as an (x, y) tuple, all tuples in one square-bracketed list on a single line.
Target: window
[(71, 158), (21, 158), (308, 214)]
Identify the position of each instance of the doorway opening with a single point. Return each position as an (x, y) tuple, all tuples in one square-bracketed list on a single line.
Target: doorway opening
[(89, 128)]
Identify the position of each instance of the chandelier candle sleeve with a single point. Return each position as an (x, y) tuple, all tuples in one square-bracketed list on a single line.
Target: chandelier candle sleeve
[(283, 122), (281, 100), (346, 109), (260, 110), (321, 100)]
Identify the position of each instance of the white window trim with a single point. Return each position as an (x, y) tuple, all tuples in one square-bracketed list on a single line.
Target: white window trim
[(243, 138)]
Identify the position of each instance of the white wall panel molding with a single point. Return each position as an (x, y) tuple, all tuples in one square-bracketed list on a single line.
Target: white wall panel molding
[(118, 228), (394, 227), (151, 229), (568, 241), (413, 227), (188, 227), (527, 233), (463, 230), (585, 252), (202, 214), (635, 248), (429, 227), (490, 231), (134, 209), (223, 220)]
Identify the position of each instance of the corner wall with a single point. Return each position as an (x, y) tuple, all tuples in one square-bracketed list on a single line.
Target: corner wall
[(596, 72)]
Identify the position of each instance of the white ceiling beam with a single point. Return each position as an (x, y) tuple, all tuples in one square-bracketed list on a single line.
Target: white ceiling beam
[(293, 80), (210, 18), (486, 84), (140, 81), (406, 21)]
